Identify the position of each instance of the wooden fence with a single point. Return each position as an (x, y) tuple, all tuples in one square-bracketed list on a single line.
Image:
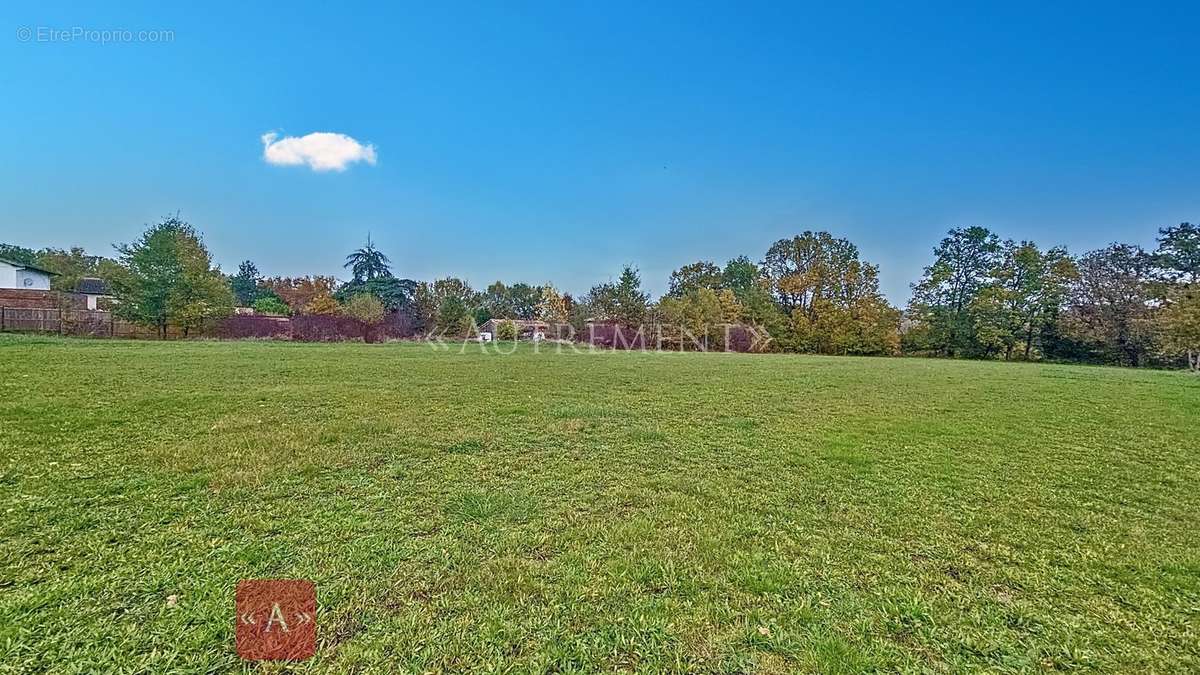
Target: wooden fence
[(78, 322), (95, 323)]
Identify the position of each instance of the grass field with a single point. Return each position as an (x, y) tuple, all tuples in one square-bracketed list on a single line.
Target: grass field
[(569, 512)]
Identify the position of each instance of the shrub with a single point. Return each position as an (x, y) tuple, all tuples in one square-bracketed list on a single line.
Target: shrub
[(369, 311), (366, 308), (507, 330), (272, 306), (322, 303), (397, 325), (243, 326), (324, 328), (615, 336)]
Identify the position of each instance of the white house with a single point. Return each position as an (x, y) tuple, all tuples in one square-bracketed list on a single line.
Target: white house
[(22, 276)]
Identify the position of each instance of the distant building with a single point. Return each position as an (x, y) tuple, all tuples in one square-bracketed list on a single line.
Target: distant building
[(526, 330), (24, 277), (94, 290)]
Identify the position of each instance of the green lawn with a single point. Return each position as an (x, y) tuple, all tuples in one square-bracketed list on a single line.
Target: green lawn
[(576, 512)]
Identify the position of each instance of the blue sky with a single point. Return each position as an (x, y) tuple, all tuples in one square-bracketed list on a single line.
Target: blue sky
[(557, 141)]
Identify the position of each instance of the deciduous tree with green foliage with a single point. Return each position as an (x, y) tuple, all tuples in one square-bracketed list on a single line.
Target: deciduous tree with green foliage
[(1178, 254), (598, 304), (1111, 304), (553, 308), (519, 301), (70, 265), (742, 276), (829, 298), (18, 254), (525, 299), (454, 316), (1178, 261), (442, 304), (1026, 293), (496, 300), (168, 278), (964, 263), (296, 292), (698, 319), (808, 269), (693, 277), (1179, 321)]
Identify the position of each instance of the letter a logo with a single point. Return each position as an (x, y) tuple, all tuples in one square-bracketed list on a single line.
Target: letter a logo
[(276, 617)]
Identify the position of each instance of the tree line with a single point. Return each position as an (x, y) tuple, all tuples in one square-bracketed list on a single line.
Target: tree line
[(984, 298), (980, 297)]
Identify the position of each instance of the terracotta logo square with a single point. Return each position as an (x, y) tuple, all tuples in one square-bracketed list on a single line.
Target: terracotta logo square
[(276, 619)]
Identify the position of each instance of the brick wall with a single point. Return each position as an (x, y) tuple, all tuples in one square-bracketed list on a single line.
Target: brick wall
[(26, 299)]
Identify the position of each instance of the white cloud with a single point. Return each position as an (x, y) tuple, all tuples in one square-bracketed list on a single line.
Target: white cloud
[(320, 150)]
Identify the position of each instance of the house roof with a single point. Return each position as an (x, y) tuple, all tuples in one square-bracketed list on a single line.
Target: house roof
[(92, 286), (24, 266)]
